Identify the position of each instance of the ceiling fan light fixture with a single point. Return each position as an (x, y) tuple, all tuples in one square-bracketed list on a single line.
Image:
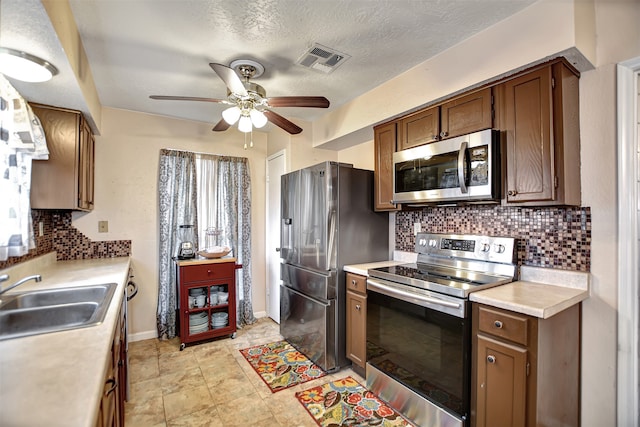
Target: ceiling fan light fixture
[(258, 118), (231, 115), (244, 125), (25, 67)]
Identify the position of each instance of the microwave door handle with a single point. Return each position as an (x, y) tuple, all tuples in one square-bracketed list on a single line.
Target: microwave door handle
[(462, 154)]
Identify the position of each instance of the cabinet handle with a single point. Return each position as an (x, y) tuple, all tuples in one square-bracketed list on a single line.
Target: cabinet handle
[(497, 324), (443, 134), (491, 358), (512, 192), (358, 307), (208, 271), (354, 282), (114, 384)]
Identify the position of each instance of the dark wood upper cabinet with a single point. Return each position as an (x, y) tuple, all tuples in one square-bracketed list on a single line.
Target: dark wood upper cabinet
[(542, 137), (65, 181), (384, 146), (419, 128), (466, 114)]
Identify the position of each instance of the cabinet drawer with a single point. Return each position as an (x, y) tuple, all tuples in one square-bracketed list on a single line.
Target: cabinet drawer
[(356, 283), (509, 326), (198, 273)]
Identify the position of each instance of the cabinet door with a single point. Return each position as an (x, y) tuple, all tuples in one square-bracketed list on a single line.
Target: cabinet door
[(420, 128), (86, 167), (356, 328), (466, 114), (501, 384), (54, 181), (385, 146), (530, 159)]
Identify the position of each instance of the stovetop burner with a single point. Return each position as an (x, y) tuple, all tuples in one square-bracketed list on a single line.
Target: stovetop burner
[(455, 265)]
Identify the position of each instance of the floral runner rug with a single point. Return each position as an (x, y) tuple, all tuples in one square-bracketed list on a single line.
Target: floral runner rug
[(346, 403), (280, 365)]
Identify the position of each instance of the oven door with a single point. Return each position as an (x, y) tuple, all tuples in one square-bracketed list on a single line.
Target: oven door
[(420, 339)]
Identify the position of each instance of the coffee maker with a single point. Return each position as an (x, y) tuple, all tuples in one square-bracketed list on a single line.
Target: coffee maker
[(186, 242)]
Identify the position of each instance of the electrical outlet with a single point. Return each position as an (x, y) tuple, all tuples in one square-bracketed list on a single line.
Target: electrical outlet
[(40, 229), (417, 228), (103, 226)]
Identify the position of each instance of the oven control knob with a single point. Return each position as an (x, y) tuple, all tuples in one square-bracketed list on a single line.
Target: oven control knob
[(484, 247), (498, 248), (433, 243)]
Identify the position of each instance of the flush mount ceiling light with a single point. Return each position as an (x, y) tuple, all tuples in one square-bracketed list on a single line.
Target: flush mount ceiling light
[(25, 67)]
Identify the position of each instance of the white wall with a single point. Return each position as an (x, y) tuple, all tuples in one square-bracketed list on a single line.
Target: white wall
[(127, 155), (618, 39), (360, 156)]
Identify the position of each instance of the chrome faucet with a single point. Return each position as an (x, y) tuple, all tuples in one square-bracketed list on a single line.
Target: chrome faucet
[(5, 277)]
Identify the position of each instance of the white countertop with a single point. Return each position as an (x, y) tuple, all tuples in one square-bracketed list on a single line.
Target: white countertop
[(541, 292), (57, 379)]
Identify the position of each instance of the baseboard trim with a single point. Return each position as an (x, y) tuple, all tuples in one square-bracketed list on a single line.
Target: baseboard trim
[(146, 335), (140, 336)]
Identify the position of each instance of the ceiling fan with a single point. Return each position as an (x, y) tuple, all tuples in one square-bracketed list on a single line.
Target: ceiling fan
[(250, 106)]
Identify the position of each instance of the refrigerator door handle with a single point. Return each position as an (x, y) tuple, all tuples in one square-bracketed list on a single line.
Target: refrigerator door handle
[(326, 304), (285, 240)]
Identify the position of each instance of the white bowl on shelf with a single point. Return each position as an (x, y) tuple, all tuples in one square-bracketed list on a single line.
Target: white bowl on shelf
[(223, 297)]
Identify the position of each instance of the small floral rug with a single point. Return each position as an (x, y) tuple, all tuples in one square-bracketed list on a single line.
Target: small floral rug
[(280, 365), (346, 403)]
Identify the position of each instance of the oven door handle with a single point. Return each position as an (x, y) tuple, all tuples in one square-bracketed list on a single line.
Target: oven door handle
[(409, 297)]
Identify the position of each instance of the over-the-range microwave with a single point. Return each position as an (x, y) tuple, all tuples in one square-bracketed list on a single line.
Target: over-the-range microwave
[(461, 169)]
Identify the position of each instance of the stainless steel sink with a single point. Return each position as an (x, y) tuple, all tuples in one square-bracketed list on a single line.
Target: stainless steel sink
[(39, 312)]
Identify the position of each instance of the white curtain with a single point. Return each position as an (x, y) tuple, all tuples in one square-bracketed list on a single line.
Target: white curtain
[(224, 202), (21, 140)]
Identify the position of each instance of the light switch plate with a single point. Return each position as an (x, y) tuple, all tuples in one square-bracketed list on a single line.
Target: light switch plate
[(417, 228), (103, 226)]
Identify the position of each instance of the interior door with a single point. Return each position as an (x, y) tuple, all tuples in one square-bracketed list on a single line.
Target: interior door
[(276, 167)]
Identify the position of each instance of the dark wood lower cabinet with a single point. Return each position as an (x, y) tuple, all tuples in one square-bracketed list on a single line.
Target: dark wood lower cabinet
[(502, 369), (357, 319), (525, 370), (111, 412)]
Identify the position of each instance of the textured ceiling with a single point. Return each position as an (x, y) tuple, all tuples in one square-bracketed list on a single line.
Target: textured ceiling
[(144, 47)]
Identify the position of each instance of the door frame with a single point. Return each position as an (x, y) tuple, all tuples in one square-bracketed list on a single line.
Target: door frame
[(628, 73), (268, 243)]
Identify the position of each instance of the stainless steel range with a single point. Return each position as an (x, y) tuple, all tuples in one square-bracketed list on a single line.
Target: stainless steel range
[(419, 324)]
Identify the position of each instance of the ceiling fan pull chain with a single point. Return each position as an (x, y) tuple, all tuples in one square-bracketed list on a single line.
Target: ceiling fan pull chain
[(245, 141), (251, 138)]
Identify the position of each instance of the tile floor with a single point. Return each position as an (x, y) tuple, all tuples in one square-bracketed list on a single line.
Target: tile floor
[(211, 384)]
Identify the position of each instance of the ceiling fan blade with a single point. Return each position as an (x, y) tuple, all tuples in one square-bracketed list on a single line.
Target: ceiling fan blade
[(230, 78), (299, 101), (221, 126), (282, 123), (187, 98)]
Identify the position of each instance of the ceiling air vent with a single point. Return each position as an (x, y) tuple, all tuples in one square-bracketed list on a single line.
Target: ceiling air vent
[(322, 58)]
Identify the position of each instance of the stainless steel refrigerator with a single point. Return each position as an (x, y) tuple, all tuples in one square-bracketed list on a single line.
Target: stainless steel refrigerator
[(327, 222)]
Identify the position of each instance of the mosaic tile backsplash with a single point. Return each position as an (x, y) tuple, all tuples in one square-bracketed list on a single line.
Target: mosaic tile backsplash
[(69, 243), (557, 237)]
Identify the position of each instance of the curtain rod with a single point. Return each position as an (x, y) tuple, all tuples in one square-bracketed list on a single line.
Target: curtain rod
[(205, 154)]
